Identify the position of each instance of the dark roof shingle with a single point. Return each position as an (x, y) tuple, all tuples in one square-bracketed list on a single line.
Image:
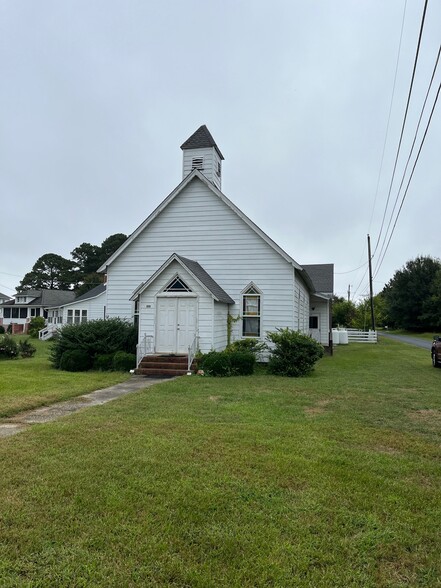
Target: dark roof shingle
[(200, 139), (322, 276)]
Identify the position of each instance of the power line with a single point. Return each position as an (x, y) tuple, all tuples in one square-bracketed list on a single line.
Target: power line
[(404, 122), (410, 178), (389, 115), (411, 149)]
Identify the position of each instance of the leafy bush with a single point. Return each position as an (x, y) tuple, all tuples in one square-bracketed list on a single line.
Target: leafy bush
[(216, 363), (26, 349), (227, 363), (103, 363), (36, 324), (75, 360), (2, 330), (242, 362), (8, 347), (294, 354), (100, 337), (123, 362), (253, 346)]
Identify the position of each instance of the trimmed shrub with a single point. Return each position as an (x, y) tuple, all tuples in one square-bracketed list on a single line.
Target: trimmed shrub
[(242, 362), (227, 363), (216, 363), (26, 349), (248, 345), (8, 347), (36, 324), (100, 337), (75, 360), (2, 330), (294, 354), (103, 363), (123, 362)]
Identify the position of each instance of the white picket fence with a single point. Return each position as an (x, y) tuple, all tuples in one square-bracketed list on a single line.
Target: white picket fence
[(353, 336)]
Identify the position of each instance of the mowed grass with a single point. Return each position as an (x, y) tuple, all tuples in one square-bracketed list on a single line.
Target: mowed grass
[(328, 481), (28, 383)]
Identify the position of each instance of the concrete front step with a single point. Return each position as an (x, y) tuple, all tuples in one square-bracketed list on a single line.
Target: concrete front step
[(162, 365)]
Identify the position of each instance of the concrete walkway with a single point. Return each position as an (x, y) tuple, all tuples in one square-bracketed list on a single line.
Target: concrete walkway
[(46, 414)]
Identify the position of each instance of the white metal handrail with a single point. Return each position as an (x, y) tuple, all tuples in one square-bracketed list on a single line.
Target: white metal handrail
[(192, 349), (144, 347)]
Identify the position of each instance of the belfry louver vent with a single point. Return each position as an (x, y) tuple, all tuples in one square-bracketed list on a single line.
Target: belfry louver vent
[(197, 163)]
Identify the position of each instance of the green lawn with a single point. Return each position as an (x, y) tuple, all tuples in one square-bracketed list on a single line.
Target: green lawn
[(328, 481), (28, 383)]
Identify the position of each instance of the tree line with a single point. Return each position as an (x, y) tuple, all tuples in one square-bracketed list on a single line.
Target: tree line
[(54, 272), (411, 300)]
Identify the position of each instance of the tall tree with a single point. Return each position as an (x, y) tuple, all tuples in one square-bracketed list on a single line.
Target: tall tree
[(109, 246), (50, 271), (409, 295), (86, 258)]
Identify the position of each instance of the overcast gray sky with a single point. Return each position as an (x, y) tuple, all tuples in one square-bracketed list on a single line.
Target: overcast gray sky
[(96, 96)]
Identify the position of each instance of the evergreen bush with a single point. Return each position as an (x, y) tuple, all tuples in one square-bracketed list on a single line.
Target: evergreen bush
[(254, 346), (294, 354), (2, 330), (124, 362), (103, 363), (75, 360), (8, 347), (227, 363), (100, 337), (26, 349)]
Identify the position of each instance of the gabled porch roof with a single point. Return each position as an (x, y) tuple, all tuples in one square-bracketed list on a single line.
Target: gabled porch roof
[(196, 271)]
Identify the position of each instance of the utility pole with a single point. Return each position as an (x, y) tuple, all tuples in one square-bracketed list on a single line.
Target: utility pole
[(349, 292), (370, 284)]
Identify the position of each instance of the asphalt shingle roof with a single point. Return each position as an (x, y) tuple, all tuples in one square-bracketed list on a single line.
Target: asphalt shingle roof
[(92, 293), (322, 276), (199, 272), (200, 139)]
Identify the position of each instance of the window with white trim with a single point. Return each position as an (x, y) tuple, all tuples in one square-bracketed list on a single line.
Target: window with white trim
[(251, 312), (76, 316), (177, 285)]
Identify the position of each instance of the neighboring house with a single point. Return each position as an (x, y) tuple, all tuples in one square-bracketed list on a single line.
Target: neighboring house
[(199, 267), (87, 307), (4, 298), (28, 304)]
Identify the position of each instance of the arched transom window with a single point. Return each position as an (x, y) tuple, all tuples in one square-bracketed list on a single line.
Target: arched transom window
[(251, 312)]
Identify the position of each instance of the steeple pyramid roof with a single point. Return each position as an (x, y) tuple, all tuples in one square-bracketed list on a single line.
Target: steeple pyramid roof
[(200, 139)]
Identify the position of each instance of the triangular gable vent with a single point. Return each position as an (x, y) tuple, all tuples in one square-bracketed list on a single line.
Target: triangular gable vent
[(177, 285)]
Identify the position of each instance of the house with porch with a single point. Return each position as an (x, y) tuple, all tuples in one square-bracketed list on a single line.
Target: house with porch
[(198, 273), (28, 304)]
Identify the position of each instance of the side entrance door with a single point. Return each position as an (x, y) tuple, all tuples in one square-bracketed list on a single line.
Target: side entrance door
[(175, 324), (314, 327)]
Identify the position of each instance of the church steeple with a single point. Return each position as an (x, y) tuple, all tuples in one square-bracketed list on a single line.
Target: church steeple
[(201, 152)]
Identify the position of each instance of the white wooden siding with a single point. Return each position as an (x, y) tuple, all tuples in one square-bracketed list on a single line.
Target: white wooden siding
[(321, 309), (198, 225), (148, 301), (211, 160), (220, 326), (94, 306)]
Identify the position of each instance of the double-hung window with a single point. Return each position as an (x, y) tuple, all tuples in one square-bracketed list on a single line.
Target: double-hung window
[(251, 312)]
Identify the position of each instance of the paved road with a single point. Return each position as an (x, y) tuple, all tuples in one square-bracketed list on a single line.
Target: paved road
[(406, 339)]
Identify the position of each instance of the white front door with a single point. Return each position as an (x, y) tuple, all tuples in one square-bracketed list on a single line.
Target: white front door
[(176, 324)]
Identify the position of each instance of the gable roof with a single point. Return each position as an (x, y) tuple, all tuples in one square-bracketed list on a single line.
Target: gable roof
[(200, 139), (44, 298), (198, 273), (322, 276), (196, 174), (4, 296), (92, 293)]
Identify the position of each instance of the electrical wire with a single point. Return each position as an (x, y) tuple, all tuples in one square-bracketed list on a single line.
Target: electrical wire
[(404, 123), (411, 150), (410, 178)]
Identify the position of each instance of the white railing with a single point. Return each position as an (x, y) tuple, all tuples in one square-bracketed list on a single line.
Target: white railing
[(356, 336), (144, 347), (48, 332), (192, 349)]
